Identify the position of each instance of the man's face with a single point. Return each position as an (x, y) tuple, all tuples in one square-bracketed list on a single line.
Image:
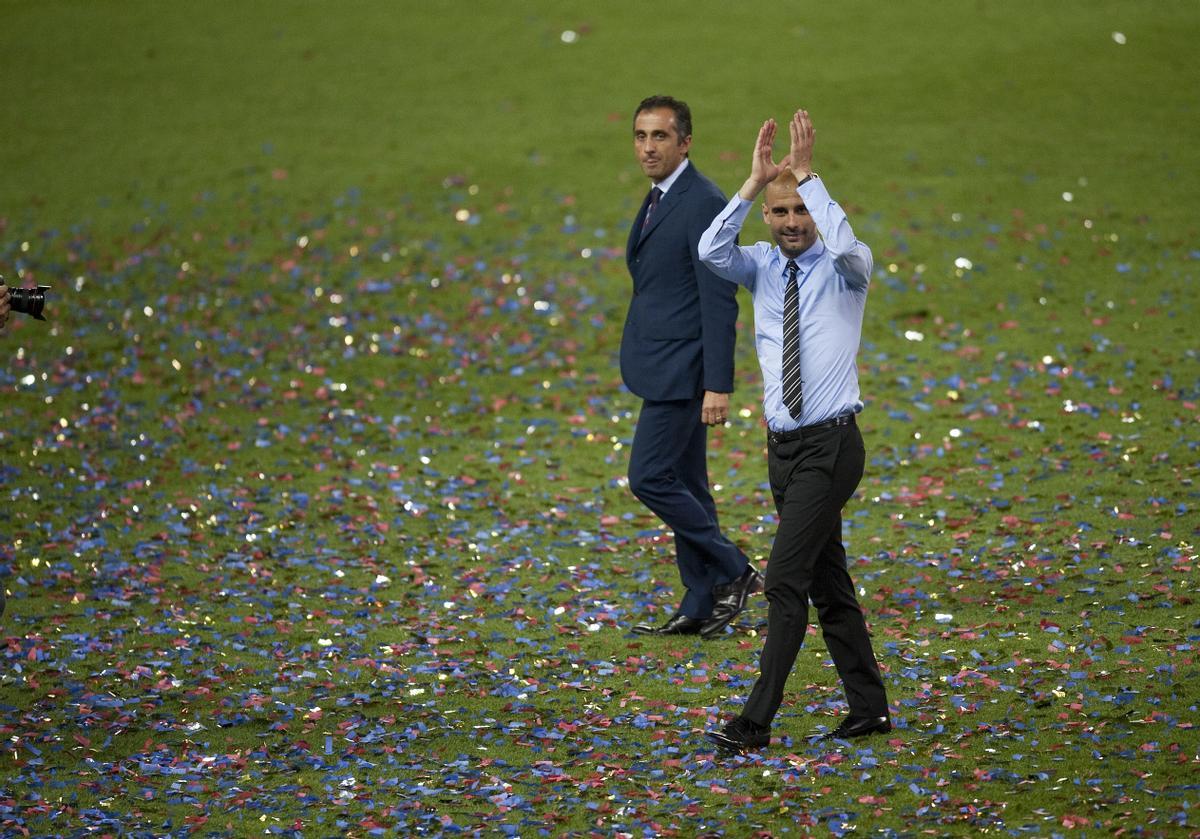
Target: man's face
[(792, 227), (657, 143)]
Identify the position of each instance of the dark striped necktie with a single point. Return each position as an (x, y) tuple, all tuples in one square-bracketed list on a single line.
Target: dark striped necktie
[(793, 385), (655, 194)]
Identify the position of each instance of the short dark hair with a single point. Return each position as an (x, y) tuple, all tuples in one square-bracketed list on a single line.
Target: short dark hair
[(683, 114)]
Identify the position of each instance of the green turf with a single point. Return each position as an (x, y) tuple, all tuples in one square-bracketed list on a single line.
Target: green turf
[(312, 499)]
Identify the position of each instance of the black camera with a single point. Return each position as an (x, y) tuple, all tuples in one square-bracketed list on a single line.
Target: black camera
[(28, 301)]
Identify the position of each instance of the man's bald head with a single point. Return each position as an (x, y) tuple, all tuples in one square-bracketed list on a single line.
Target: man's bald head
[(785, 183), (792, 227)]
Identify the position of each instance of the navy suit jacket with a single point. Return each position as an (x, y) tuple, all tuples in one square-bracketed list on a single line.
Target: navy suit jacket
[(680, 329)]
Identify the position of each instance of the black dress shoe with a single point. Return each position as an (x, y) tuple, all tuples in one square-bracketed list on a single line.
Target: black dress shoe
[(730, 600), (679, 624), (852, 727), (741, 735)]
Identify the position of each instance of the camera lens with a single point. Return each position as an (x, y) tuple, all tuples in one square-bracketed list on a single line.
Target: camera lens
[(29, 301)]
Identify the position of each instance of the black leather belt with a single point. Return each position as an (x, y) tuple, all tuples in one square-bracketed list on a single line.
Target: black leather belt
[(799, 433)]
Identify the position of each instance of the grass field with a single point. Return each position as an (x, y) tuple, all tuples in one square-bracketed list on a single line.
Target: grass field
[(312, 509)]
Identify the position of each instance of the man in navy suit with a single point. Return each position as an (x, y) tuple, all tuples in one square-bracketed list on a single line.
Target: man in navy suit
[(677, 355)]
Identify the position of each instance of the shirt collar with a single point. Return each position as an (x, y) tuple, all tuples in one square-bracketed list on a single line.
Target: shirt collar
[(666, 183), (804, 261)]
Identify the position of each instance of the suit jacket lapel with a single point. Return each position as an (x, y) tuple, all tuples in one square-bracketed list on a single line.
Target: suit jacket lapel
[(668, 202), (665, 204), (635, 232)]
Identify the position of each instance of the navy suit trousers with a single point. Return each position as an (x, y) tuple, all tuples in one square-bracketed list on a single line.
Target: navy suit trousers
[(668, 473)]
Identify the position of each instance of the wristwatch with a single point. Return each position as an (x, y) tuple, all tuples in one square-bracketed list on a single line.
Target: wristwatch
[(809, 177)]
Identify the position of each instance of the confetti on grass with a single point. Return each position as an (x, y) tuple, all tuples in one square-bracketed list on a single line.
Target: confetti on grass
[(330, 536)]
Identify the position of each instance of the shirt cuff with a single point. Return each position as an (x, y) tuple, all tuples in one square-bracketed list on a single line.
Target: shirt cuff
[(737, 209), (814, 189)]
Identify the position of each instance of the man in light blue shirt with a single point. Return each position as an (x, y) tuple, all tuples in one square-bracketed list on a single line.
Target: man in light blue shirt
[(809, 294)]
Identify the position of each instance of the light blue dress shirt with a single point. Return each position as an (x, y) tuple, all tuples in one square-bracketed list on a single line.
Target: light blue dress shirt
[(833, 278)]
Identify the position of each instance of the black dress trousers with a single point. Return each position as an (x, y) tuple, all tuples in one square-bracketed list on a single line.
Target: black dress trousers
[(813, 474)]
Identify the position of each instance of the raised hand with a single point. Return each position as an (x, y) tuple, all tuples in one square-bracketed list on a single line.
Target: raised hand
[(763, 168), (803, 134)]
